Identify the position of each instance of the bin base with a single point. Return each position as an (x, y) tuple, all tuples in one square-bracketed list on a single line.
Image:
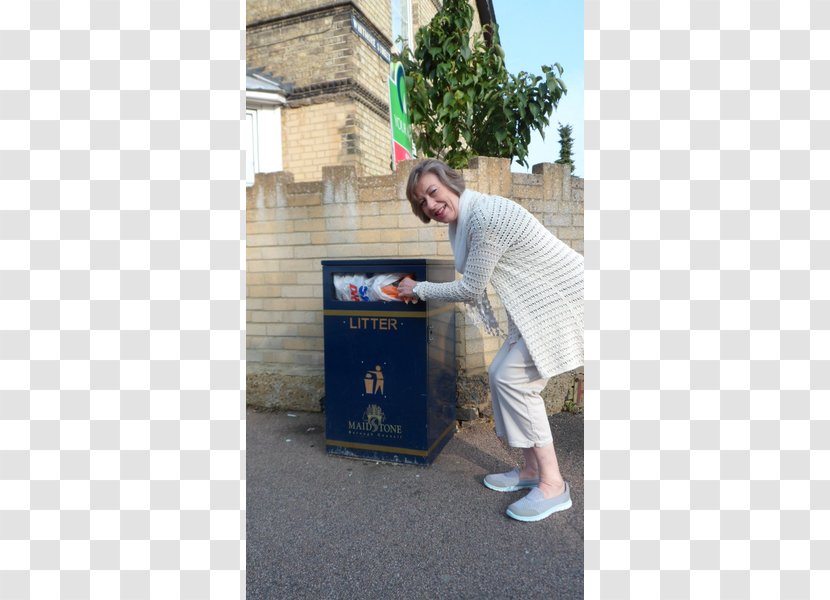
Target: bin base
[(377, 452)]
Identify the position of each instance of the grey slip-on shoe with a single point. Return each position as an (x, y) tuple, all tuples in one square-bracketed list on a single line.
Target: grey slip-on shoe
[(508, 482), (534, 507)]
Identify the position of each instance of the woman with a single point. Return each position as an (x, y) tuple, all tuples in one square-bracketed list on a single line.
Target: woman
[(539, 281)]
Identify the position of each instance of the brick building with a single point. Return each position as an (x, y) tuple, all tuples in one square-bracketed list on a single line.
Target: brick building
[(325, 64)]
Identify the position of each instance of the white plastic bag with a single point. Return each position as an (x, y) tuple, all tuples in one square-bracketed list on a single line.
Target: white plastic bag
[(351, 288), (356, 287), (388, 281)]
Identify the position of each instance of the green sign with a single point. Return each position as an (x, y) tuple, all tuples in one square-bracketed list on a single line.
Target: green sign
[(402, 148)]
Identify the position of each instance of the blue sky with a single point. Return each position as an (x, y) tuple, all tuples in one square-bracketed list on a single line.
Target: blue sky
[(542, 32)]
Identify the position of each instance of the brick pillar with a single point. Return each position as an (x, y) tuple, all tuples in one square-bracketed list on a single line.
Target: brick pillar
[(339, 185), (268, 190), (493, 175), (564, 215), (577, 198), (555, 180), (402, 172)]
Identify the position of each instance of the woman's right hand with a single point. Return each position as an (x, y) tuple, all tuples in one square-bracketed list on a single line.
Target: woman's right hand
[(405, 292)]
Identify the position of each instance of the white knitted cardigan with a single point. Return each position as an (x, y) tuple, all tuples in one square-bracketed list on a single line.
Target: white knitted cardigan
[(537, 277)]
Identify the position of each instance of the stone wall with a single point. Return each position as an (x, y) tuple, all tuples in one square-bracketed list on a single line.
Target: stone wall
[(292, 226)]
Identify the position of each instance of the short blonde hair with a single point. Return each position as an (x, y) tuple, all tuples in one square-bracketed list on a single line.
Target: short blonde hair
[(446, 175)]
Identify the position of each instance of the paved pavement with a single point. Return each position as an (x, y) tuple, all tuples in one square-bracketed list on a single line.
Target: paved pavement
[(322, 526)]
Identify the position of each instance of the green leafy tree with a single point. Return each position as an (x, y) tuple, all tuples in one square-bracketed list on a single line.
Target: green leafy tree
[(462, 100), (565, 146)]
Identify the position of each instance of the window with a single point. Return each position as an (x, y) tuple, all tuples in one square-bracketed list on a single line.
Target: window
[(263, 145), (264, 99), (250, 147), (401, 23)]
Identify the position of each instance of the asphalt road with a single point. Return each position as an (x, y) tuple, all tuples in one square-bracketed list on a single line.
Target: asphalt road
[(322, 526)]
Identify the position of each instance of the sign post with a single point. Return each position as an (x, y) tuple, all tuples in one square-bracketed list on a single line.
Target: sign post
[(402, 147)]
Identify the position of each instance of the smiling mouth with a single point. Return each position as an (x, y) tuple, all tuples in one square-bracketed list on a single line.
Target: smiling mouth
[(440, 212)]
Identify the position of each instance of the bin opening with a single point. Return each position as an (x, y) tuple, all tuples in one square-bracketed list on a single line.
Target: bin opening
[(367, 287)]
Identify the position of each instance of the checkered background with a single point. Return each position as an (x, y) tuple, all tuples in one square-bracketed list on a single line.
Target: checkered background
[(121, 299), (708, 299), (122, 313)]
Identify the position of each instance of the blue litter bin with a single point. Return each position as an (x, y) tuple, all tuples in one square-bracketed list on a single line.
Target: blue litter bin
[(389, 366)]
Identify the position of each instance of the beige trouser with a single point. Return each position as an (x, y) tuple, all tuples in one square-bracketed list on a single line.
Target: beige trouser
[(518, 408)]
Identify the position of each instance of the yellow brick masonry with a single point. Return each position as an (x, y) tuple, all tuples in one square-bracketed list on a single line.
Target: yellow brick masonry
[(258, 10), (379, 14), (314, 136), (292, 226), (374, 142)]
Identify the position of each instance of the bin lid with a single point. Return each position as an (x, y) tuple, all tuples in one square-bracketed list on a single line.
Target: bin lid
[(385, 262)]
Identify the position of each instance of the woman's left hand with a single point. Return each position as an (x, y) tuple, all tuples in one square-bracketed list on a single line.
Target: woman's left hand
[(405, 292)]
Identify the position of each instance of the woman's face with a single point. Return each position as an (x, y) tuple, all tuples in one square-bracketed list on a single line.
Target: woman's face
[(436, 200)]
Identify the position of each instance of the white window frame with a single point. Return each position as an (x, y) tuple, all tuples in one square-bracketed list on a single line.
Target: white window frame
[(405, 6), (264, 135), (252, 146)]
